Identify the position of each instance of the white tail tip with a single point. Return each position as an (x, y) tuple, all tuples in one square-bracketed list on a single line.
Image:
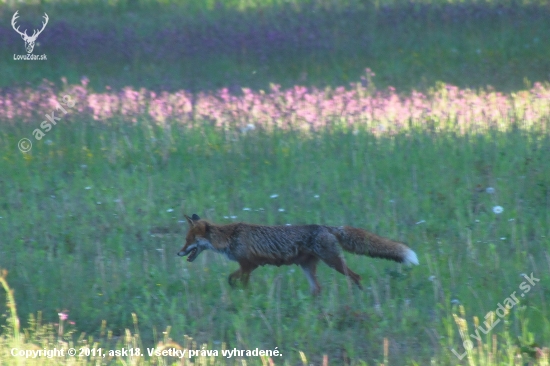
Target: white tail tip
[(410, 257)]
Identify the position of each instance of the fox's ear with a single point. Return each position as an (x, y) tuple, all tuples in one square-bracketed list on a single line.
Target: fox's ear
[(189, 220), (195, 217)]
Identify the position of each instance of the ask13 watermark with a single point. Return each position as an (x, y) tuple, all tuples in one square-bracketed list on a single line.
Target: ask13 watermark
[(25, 144), (500, 311)]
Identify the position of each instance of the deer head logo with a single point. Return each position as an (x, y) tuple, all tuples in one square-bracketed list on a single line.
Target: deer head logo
[(29, 41)]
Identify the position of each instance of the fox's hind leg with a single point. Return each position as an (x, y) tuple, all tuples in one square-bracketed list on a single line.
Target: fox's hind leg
[(242, 274), (338, 264), (326, 247), (309, 267)]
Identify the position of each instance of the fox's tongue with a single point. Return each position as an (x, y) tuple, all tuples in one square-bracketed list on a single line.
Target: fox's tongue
[(192, 255)]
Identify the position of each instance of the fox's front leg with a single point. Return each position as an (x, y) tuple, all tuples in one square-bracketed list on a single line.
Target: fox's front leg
[(233, 277), (242, 274)]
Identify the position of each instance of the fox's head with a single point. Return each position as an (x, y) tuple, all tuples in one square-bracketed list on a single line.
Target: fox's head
[(197, 239)]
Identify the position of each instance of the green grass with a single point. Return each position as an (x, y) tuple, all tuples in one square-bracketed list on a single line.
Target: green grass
[(409, 51), (105, 252), (92, 218)]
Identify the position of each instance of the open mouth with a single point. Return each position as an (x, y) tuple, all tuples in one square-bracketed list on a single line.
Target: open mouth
[(192, 255)]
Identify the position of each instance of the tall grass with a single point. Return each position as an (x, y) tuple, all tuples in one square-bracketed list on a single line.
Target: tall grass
[(179, 111), (197, 46), (92, 218)]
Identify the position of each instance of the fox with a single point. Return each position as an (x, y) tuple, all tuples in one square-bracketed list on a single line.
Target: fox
[(253, 245)]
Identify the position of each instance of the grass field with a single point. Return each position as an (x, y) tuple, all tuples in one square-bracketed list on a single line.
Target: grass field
[(191, 45), (91, 218)]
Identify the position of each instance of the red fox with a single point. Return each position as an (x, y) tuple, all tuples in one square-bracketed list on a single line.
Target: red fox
[(304, 245)]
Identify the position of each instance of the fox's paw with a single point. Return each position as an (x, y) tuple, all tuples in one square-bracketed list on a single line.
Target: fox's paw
[(232, 280)]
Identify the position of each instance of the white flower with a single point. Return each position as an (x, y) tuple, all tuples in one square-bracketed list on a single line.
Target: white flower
[(233, 217), (503, 238), (170, 210), (249, 127), (246, 209), (490, 190), (88, 188), (275, 195), (316, 196), (281, 210), (498, 209), (99, 203), (288, 224), (226, 217)]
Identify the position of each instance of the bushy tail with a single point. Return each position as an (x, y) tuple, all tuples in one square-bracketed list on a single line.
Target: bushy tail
[(360, 241)]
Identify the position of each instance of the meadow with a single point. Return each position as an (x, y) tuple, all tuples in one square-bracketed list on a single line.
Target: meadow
[(454, 164), (205, 45)]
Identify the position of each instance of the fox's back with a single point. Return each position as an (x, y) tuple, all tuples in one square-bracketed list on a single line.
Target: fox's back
[(274, 244)]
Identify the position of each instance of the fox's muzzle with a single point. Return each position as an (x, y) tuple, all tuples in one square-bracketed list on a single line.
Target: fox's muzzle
[(183, 253), (192, 251)]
